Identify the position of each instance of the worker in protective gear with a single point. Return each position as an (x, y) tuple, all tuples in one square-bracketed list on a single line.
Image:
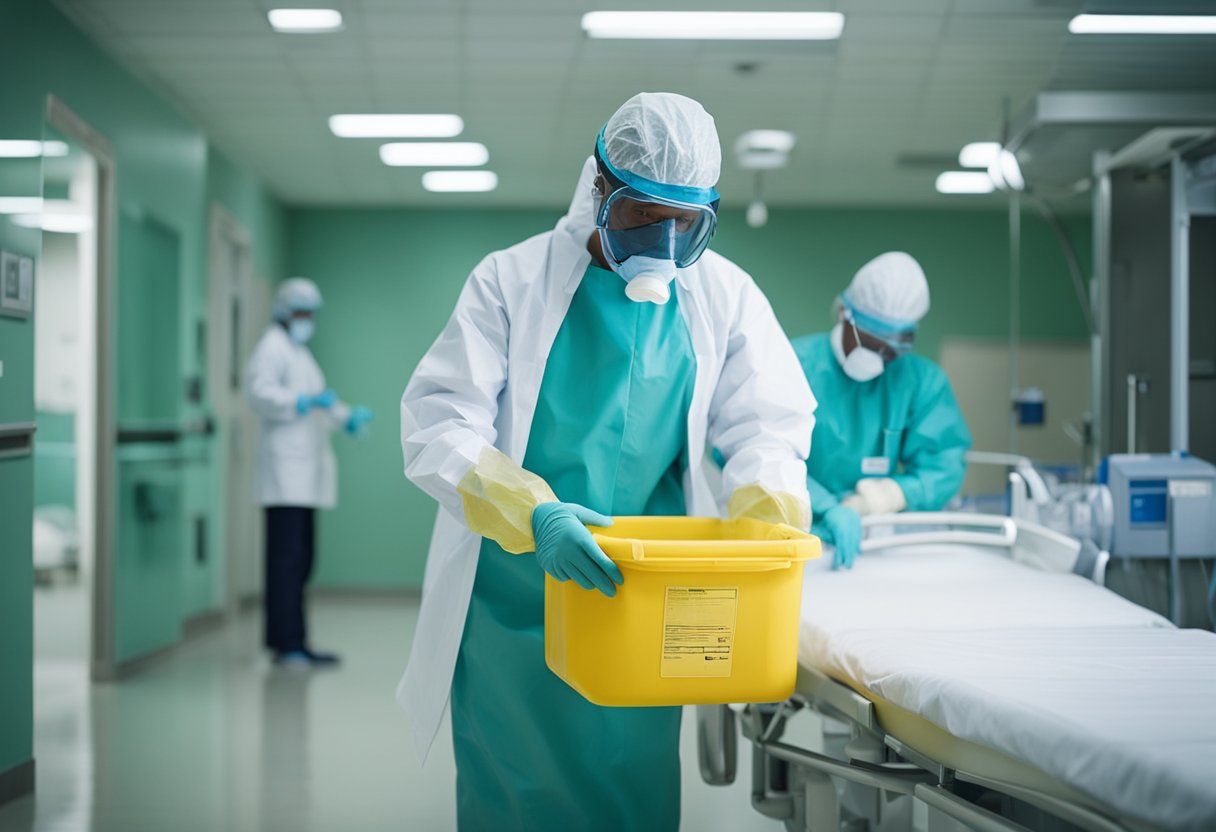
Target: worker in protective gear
[(583, 374), (889, 435), (296, 472)]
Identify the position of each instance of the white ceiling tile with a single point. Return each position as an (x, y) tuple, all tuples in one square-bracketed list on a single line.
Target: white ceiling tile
[(892, 27), (923, 75)]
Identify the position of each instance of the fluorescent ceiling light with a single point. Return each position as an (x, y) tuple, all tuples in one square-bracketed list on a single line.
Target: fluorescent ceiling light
[(396, 126), (296, 21), (20, 148), (714, 25), (20, 204), (30, 148), (764, 149), (1142, 24), (775, 141), (62, 223), (466, 181), (978, 154), (434, 154), (964, 182), (1006, 173)]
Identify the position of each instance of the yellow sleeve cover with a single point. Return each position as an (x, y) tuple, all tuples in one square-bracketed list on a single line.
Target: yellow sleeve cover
[(758, 503), (498, 497)]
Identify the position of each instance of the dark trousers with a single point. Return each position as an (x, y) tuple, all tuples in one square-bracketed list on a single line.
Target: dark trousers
[(290, 550)]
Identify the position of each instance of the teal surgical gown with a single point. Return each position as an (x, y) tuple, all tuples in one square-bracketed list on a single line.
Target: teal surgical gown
[(610, 433), (905, 424)]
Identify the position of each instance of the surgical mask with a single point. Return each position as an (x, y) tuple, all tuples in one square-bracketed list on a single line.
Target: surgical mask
[(861, 364), (300, 330)]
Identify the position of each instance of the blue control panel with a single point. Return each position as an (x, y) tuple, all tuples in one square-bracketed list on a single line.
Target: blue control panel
[(1147, 502)]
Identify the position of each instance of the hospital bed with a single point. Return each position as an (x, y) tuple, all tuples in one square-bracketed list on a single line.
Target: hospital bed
[(978, 673)]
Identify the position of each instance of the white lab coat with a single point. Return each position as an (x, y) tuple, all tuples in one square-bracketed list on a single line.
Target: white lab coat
[(478, 385), (295, 463)]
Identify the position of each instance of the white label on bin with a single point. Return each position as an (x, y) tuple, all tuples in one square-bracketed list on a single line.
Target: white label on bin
[(698, 631)]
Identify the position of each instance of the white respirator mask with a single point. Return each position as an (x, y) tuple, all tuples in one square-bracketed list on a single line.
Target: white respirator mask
[(300, 330), (646, 278), (861, 364)]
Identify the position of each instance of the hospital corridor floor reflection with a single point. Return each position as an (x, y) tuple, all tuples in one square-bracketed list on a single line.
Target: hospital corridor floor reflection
[(216, 739)]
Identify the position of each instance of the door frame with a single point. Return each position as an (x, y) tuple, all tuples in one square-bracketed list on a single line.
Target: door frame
[(102, 664), (226, 230)]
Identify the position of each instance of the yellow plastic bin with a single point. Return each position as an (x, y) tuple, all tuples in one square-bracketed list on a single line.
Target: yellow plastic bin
[(708, 613)]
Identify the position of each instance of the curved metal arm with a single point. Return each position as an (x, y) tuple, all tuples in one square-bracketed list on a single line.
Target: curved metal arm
[(974, 529)]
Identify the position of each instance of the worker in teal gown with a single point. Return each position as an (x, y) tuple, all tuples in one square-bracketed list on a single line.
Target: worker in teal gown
[(889, 434), (609, 436), (599, 442)]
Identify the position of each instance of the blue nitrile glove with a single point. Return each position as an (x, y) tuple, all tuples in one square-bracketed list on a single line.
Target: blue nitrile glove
[(566, 550), (356, 424), (323, 400), (841, 527)]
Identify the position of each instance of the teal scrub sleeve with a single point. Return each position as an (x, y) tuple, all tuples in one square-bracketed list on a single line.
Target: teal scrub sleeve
[(821, 499), (935, 446)]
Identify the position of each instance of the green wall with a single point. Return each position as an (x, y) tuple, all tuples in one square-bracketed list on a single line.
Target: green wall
[(20, 117), (166, 172), (391, 277)]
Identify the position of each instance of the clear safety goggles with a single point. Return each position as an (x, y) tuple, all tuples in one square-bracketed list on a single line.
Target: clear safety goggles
[(633, 223), (637, 217)]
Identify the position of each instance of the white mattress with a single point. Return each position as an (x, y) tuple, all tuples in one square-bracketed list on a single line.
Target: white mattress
[(1049, 669)]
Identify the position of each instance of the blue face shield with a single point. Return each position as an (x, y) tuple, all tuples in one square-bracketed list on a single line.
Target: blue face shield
[(633, 224), (895, 337), (638, 218)]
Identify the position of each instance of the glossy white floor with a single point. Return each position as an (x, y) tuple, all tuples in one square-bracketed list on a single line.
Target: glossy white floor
[(215, 739)]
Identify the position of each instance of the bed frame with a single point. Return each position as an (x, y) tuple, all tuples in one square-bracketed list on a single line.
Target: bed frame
[(893, 752)]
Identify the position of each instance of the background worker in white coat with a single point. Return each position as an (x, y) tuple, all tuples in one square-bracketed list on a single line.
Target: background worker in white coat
[(296, 471), (584, 373)]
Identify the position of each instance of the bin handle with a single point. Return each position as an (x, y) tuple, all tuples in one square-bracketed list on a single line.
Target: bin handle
[(737, 564), (637, 551)]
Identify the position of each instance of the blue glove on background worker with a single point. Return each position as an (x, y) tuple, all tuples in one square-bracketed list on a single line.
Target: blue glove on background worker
[(841, 526), (356, 423), (568, 552), (321, 401)]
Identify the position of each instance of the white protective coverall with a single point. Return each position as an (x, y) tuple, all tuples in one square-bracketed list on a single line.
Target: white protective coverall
[(478, 386), (295, 462)]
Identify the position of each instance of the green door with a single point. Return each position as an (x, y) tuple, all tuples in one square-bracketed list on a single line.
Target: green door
[(150, 558), (19, 178)]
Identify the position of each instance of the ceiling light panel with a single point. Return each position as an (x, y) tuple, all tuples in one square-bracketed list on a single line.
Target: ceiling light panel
[(460, 181), (304, 21), (1142, 24), (396, 126), (714, 25), (964, 182), (434, 154)]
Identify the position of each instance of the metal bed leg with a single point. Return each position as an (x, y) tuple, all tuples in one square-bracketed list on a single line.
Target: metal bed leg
[(770, 776), (770, 786), (717, 744), (820, 811)]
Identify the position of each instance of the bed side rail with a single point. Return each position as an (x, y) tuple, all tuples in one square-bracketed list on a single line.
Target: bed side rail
[(1026, 542), (883, 530)]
